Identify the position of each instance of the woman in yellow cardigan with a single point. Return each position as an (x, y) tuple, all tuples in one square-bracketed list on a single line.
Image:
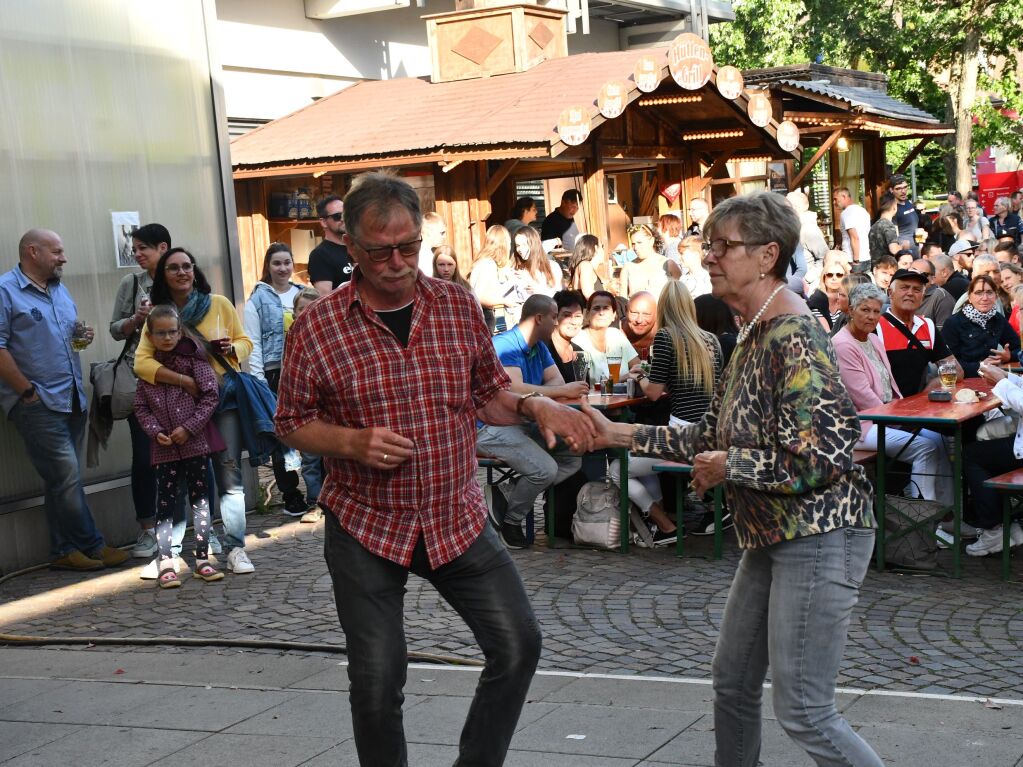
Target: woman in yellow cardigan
[(179, 281)]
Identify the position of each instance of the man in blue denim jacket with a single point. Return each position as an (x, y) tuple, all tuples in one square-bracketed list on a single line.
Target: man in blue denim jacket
[(41, 392)]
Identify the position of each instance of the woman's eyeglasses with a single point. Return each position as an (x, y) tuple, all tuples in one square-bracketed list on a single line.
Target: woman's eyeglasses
[(834, 274), (185, 267)]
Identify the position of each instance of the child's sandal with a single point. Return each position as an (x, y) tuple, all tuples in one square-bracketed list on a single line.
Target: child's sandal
[(169, 579), (207, 572)]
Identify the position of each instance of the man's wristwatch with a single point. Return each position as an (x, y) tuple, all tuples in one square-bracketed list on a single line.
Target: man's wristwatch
[(519, 410), (29, 393)]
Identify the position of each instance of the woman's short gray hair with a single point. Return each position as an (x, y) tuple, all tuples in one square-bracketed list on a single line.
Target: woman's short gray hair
[(868, 291), (761, 217)]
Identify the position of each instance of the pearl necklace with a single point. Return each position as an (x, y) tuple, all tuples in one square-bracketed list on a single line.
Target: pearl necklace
[(747, 328)]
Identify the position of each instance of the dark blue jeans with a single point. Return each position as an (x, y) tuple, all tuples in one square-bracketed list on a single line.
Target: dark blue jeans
[(52, 440), (484, 586)]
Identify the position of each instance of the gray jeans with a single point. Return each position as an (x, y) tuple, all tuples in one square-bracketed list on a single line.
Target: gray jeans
[(789, 608), (523, 448)]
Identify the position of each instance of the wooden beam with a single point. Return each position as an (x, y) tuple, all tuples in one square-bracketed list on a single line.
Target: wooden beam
[(805, 170), (595, 194), (719, 163), (913, 154), (500, 175)]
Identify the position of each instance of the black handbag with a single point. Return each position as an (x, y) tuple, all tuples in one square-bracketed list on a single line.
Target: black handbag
[(908, 541)]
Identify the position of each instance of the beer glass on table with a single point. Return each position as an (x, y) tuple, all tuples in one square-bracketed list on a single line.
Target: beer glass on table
[(614, 367), (947, 374)]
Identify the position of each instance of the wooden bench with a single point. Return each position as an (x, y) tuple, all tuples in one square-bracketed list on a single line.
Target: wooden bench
[(681, 473), (1010, 484), (864, 457)]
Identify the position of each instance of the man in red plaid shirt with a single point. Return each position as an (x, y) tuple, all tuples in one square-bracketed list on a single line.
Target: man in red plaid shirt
[(385, 377)]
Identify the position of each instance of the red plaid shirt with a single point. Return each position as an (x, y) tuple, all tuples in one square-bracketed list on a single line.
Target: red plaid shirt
[(342, 365)]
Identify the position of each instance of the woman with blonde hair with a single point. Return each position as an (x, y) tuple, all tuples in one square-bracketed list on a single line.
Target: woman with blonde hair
[(445, 266), (825, 302), (491, 280), (586, 257), (533, 270), (686, 366)]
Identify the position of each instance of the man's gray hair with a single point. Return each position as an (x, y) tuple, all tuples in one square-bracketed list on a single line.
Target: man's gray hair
[(761, 217), (1006, 201), (942, 261), (985, 258), (377, 197), (868, 291)]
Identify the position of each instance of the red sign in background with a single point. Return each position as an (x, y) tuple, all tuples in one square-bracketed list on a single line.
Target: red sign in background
[(991, 186)]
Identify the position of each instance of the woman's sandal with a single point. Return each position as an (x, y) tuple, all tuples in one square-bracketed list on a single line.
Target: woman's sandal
[(169, 579), (207, 572)]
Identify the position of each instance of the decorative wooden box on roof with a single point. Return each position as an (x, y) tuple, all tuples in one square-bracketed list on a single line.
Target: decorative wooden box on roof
[(490, 37)]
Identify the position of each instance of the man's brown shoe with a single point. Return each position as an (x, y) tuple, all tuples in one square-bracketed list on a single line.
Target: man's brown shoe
[(110, 557), (76, 560)]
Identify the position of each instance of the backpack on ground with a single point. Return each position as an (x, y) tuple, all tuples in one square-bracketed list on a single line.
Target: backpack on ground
[(596, 521)]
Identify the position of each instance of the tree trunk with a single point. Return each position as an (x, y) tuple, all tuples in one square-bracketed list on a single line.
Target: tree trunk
[(965, 98)]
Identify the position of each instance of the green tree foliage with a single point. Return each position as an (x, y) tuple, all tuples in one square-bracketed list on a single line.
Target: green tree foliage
[(922, 45)]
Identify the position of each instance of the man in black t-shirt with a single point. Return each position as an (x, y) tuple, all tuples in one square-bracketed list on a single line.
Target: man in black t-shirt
[(906, 217), (560, 222), (329, 263)]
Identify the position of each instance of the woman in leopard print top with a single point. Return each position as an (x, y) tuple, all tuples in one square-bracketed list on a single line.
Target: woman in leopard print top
[(779, 434)]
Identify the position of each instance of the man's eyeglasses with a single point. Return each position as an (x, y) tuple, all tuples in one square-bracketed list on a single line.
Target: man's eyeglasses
[(185, 267), (381, 253), (335, 217), (720, 246), (164, 333)]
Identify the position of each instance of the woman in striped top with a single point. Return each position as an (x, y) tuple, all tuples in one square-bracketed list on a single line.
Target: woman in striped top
[(685, 365)]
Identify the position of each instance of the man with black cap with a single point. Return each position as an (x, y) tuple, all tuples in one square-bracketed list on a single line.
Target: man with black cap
[(911, 341)]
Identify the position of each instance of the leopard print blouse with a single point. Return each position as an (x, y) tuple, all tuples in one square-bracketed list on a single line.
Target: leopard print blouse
[(788, 425)]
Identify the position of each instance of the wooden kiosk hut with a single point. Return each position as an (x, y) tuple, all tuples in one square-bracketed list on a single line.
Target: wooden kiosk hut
[(638, 132)]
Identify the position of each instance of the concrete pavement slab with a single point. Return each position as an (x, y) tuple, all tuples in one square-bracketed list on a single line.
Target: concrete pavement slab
[(323, 715), (604, 731), (631, 692), (937, 715), (17, 738), (200, 708), (439, 720), (108, 746), (16, 690), (694, 747), (248, 750), (908, 746), (94, 703)]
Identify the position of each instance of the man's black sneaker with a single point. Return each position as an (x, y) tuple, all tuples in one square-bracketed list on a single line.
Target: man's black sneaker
[(662, 538), (513, 536), (706, 525), (498, 506), (295, 505)]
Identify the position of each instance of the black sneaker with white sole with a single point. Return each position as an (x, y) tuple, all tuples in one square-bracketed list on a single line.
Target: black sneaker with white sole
[(295, 505), (498, 506), (706, 525), (513, 537)]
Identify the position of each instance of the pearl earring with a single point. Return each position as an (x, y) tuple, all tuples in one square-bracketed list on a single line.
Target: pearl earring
[(762, 275)]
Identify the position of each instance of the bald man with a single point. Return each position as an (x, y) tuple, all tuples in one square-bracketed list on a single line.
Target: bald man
[(640, 324), (41, 392)]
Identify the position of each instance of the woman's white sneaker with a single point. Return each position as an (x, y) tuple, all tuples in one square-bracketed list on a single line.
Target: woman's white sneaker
[(238, 562), (988, 542), (145, 546)]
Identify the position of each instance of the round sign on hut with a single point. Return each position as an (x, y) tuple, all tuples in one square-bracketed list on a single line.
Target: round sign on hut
[(690, 61), (611, 99), (730, 82), (574, 125), (647, 74)]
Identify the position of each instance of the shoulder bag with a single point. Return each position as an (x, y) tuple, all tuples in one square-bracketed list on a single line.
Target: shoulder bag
[(114, 381)]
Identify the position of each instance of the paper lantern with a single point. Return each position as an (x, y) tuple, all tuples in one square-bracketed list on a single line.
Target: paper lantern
[(690, 61)]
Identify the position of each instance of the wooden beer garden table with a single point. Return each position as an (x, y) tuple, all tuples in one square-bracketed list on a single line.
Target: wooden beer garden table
[(917, 412)]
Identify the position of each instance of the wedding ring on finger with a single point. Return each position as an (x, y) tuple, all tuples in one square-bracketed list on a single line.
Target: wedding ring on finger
[(385, 457)]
